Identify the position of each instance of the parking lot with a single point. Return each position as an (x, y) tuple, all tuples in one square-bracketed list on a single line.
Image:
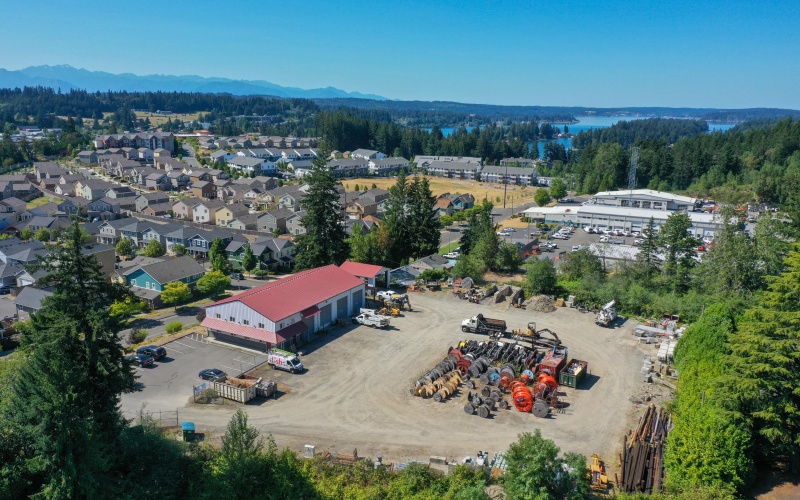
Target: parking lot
[(356, 390), (168, 383)]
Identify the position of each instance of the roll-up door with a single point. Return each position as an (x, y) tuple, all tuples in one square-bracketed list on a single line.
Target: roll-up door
[(341, 308), (325, 315), (357, 301)]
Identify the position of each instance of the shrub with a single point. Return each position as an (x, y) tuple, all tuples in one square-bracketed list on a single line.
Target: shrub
[(137, 335), (174, 327)]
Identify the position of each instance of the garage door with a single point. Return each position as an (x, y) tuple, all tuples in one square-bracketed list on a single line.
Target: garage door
[(325, 315), (341, 308), (357, 304)]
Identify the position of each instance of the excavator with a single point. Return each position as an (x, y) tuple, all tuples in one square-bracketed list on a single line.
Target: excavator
[(398, 301), (536, 336)]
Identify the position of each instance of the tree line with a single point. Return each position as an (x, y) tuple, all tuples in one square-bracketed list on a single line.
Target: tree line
[(628, 132)]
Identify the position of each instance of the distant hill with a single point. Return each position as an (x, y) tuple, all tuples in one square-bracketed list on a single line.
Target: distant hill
[(66, 77)]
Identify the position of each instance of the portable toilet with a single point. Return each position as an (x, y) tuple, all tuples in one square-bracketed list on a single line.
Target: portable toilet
[(188, 431)]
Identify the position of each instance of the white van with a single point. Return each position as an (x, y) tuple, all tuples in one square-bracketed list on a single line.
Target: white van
[(284, 360)]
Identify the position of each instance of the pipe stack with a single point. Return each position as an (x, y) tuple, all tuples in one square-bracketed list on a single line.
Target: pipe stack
[(643, 453)]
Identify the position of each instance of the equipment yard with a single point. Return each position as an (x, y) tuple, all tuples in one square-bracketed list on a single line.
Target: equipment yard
[(356, 391)]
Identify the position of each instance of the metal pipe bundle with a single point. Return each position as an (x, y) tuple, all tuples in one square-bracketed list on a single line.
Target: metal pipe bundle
[(643, 453)]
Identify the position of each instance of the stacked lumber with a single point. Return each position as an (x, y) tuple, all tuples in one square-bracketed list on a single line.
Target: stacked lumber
[(643, 453)]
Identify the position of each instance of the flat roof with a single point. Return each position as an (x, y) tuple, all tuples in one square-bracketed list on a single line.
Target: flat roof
[(647, 192), (614, 211)]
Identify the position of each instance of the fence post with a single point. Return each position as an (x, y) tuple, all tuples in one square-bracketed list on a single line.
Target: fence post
[(177, 420)]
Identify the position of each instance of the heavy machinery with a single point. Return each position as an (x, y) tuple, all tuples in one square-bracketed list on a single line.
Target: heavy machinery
[(598, 473), (389, 311), (398, 301), (607, 314), (535, 337), (481, 324)]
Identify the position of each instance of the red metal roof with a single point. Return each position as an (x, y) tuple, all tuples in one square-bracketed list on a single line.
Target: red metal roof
[(293, 294), (361, 270), (253, 333), (309, 311)]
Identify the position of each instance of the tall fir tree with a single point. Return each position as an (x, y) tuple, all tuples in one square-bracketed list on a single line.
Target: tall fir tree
[(324, 240), (218, 256), (61, 419), (423, 222), (396, 221), (765, 360), (647, 258)]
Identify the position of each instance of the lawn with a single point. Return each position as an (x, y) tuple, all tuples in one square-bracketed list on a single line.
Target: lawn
[(450, 246), (440, 185), (42, 200), (157, 120)]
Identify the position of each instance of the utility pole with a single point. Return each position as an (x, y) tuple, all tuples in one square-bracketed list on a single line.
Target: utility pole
[(505, 186)]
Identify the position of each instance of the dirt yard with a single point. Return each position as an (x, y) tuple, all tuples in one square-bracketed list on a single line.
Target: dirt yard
[(439, 185), (356, 390)]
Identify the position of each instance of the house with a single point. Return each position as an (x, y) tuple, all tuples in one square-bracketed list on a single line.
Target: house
[(39, 222), (145, 199), (286, 312), (291, 200), (105, 255), (204, 189), (365, 224), (109, 232), (12, 205), (294, 225), (300, 168), (367, 154), (47, 170), (23, 252), (28, 277), (156, 276), (520, 162), (226, 213), (201, 241), (360, 208), (270, 253), (104, 208), (348, 167), (152, 140), (205, 211), (48, 184), (221, 156), (29, 301), (458, 202), (385, 166), (87, 157), (161, 153), (268, 222), (245, 221), (73, 206), (178, 180), (145, 154), (453, 169), (246, 164), (375, 195), (444, 206), (157, 209), (66, 190), (434, 261), (9, 273), (93, 189), (158, 181), (118, 192), (182, 209)]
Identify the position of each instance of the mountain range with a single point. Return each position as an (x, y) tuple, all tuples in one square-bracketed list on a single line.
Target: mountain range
[(66, 77)]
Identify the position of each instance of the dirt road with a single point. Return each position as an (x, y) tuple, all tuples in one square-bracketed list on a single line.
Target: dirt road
[(355, 393)]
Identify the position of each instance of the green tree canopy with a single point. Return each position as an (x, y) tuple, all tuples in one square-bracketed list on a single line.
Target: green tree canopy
[(125, 247), (509, 258), (558, 189), (581, 264), (540, 277), (248, 259), (179, 249), (43, 235), (26, 233), (213, 283), (176, 293), (679, 248), (423, 222), (154, 249), (218, 256), (542, 197)]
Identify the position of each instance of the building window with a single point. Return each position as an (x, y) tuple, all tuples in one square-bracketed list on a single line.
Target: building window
[(232, 319), (657, 205), (261, 325), (625, 203), (645, 204), (245, 322), (636, 204), (218, 316)]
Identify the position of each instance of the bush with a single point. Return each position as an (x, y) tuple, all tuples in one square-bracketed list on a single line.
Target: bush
[(174, 327), (137, 335), (433, 275), (201, 315)]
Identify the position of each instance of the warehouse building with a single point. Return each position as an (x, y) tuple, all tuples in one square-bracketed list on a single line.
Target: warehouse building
[(286, 312), (627, 210)]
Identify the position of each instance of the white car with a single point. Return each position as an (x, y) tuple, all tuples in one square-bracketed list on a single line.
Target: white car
[(588, 229), (608, 231), (452, 255), (575, 248), (636, 234), (638, 242), (604, 239)]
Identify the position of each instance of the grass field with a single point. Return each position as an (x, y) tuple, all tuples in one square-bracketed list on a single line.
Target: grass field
[(42, 200), (160, 119), (440, 185)]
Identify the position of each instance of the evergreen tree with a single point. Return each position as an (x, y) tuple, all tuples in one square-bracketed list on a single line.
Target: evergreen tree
[(423, 222), (680, 249), (61, 418), (765, 359), (647, 258), (363, 246), (219, 256), (396, 221), (324, 240), (248, 259)]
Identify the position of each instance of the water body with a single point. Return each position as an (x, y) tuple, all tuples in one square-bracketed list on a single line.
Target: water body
[(598, 122)]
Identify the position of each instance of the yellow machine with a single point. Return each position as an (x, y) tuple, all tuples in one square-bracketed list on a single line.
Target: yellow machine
[(598, 473), (389, 311)]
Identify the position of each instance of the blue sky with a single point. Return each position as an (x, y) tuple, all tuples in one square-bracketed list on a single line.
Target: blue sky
[(604, 53)]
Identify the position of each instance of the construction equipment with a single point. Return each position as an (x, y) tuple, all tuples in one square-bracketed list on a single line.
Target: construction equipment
[(607, 314), (372, 320), (398, 301), (433, 286), (536, 337), (598, 473), (389, 311), (481, 324)]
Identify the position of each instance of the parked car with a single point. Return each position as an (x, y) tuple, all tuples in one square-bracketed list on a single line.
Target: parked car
[(638, 241), (604, 239), (5, 290), (212, 374), (575, 248), (139, 360), (452, 255), (154, 351), (510, 230), (237, 276), (636, 234)]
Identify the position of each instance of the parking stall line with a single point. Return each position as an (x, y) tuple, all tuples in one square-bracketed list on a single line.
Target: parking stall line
[(228, 367), (185, 345), (173, 349)]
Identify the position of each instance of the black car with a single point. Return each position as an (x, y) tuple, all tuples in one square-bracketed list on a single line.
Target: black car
[(139, 360), (237, 276), (212, 374), (5, 290), (154, 351)]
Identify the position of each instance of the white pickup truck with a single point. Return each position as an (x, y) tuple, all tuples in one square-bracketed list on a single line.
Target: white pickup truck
[(372, 320)]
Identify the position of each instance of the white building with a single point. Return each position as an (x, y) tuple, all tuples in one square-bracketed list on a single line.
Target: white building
[(286, 312), (609, 212)]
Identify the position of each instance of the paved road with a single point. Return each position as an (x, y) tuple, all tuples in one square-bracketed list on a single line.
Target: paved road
[(189, 157)]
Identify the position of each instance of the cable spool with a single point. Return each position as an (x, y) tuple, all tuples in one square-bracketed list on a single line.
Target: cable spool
[(523, 399), (494, 379), (541, 409), (503, 404), (469, 409), (470, 384), (486, 391), (527, 376), (484, 379), (484, 411), (504, 382), (548, 380)]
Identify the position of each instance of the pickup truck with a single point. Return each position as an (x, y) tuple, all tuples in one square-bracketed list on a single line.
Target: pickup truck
[(452, 255), (372, 320), (385, 294), (481, 324)]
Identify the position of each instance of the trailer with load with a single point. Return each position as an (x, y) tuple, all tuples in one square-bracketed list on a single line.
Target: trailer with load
[(607, 314), (481, 324), (372, 320), (240, 389), (284, 360)]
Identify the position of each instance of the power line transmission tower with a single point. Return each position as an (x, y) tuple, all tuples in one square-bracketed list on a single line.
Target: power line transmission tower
[(632, 169)]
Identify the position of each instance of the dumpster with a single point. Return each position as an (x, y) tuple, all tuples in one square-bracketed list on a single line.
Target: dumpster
[(188, 431), (574, 373)]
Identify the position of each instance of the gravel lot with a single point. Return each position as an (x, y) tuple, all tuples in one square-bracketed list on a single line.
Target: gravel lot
[(355, 393)]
